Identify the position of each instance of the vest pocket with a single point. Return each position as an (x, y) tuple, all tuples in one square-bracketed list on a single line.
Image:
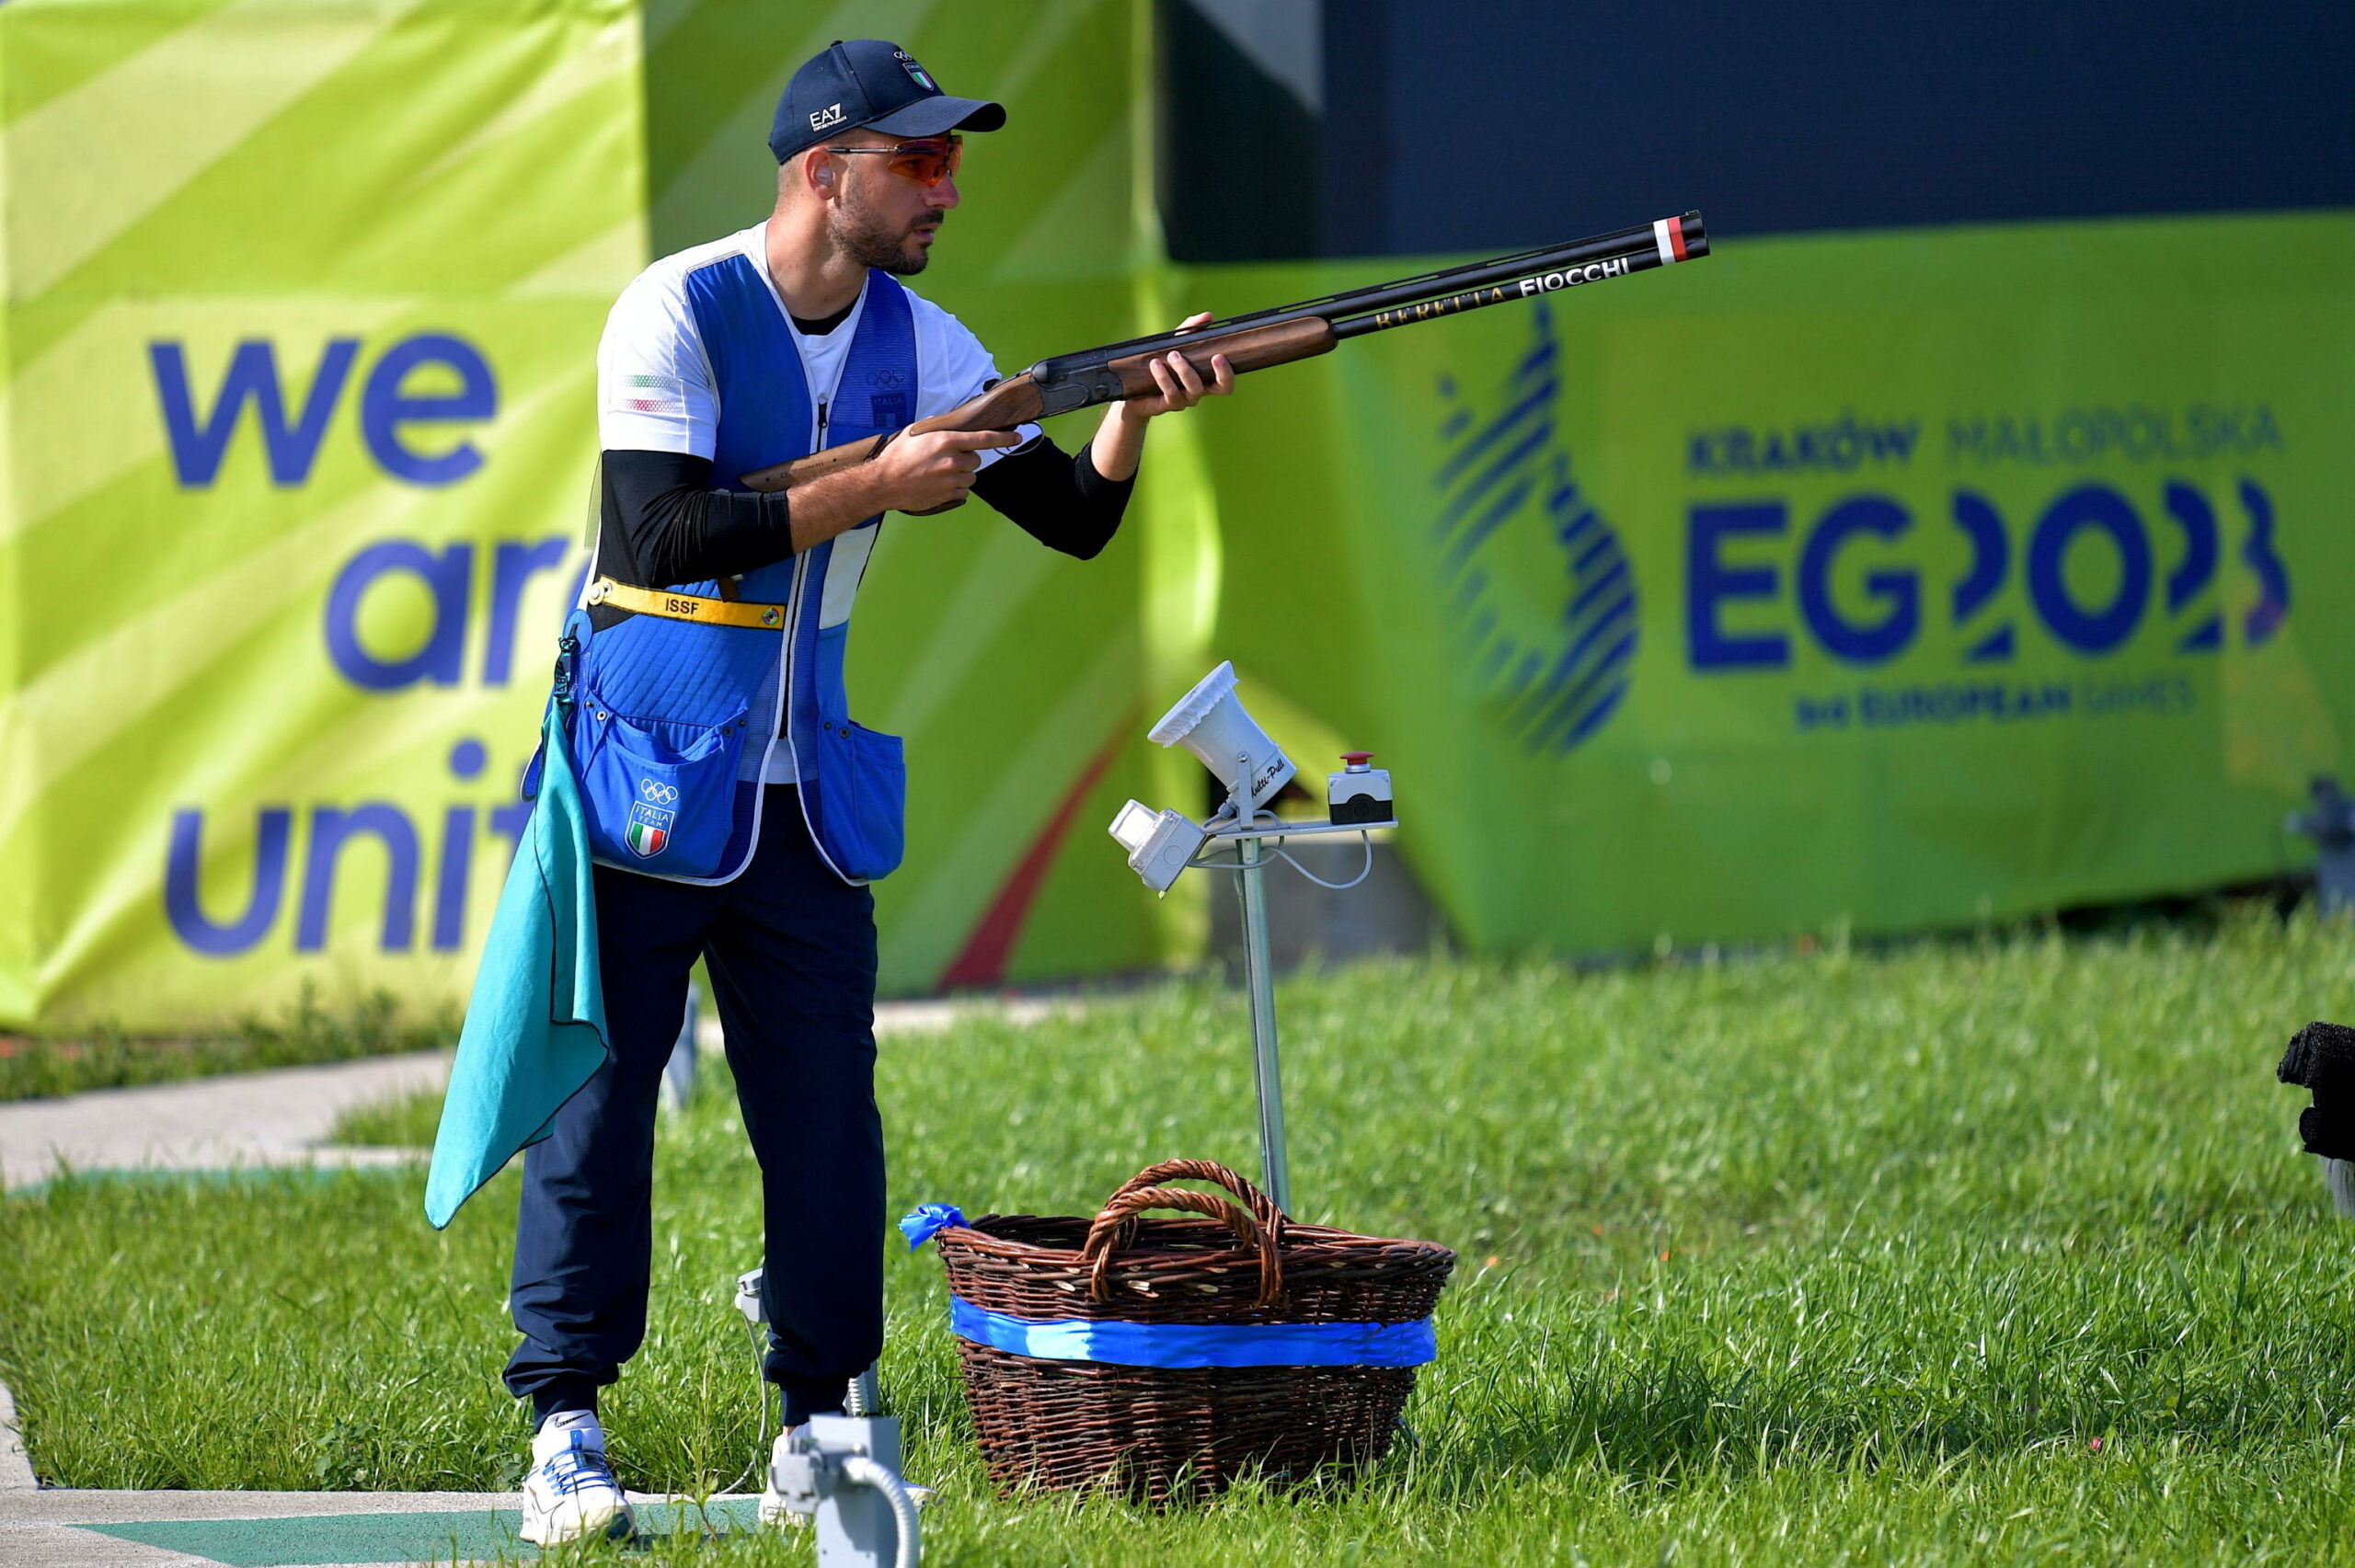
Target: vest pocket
[(659, 796), (863, 801)]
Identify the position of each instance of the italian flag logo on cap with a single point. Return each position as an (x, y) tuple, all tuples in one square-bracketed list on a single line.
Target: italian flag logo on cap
[(916, 70)]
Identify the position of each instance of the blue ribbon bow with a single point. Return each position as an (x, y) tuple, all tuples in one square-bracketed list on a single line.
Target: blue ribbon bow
[(921, 1223)]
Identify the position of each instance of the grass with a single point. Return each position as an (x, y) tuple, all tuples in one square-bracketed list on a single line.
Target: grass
[(1977, 1252), (392, 1121), (68, 1062)]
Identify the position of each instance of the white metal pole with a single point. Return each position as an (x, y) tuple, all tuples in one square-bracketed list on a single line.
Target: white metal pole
[(1259, 983)]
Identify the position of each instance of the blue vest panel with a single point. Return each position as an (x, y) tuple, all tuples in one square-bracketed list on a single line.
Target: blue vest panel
[(663, 710)]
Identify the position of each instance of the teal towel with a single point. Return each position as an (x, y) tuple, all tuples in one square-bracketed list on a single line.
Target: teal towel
[(535, 1025)]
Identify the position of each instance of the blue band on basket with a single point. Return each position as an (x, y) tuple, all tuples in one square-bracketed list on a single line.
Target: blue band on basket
[(1198, 1344)]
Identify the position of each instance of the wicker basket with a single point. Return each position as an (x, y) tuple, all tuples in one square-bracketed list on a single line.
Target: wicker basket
[(1167, 1433)]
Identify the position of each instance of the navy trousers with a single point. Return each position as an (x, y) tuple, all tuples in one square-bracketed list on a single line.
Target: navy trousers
[(790, 949)]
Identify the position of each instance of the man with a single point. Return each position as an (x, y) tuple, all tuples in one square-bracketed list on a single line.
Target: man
[(736, 811)]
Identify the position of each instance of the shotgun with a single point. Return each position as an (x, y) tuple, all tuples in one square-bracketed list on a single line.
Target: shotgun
[(1275, 336)]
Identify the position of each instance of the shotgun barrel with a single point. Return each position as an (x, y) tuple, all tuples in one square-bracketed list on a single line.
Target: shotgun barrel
[(1666, 243)]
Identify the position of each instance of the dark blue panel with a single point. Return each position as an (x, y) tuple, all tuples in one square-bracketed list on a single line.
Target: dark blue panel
[(1490, 125)]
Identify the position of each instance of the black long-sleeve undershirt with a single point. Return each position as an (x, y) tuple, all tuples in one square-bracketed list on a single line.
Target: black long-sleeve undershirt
[(1057, 499), (663, 523)]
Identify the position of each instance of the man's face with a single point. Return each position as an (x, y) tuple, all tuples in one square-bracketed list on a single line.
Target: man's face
[(881, 218)]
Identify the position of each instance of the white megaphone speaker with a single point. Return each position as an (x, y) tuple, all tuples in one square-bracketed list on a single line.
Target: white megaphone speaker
[(1211, 724)]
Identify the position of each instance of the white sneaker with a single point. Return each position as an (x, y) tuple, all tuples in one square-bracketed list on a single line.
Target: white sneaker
[(570, 1493), (775, 1511)]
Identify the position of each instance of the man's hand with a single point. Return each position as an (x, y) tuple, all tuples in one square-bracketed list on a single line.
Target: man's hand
[(926, 473), (1120, 438), (1180, 383), (912, 474)]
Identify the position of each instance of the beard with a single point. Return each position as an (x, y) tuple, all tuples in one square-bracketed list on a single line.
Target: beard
[(867, 238)]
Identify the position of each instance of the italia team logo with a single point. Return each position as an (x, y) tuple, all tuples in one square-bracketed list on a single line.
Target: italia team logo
[(650, 823), (1553, 648), (916, 70)]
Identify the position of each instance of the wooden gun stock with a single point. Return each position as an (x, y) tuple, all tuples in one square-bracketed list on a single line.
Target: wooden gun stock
[(1020, 400), (1009, 403)]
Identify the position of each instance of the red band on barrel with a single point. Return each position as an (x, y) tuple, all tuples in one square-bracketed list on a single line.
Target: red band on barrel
[(1676, 236)]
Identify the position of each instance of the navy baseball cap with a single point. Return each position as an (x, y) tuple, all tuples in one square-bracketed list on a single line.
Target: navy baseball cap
[(869, 84)]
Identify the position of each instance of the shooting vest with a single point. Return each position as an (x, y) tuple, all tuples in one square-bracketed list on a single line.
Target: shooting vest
[(663, 709)]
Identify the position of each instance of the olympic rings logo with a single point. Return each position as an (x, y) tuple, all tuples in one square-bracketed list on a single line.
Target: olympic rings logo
[(659, 793)]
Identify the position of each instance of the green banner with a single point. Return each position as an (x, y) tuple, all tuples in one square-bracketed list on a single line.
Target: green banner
[(299, 416), (299, 434), (1895, 579)]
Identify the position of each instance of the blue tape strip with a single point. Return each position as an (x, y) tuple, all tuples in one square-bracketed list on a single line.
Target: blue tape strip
[(1198, 1344)]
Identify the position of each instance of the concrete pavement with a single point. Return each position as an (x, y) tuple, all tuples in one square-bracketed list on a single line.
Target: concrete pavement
[(282, 1117), (237, 1120)]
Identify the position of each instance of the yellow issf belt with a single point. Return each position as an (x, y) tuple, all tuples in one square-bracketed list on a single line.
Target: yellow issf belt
[(687, 606)]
